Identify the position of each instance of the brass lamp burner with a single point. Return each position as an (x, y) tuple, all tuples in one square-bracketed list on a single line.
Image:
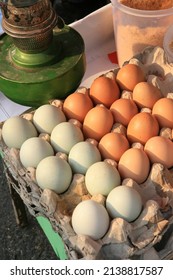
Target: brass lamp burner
[(29, 23)]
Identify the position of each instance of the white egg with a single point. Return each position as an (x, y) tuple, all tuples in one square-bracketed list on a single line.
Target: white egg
[(46, 117), (101, 177), (82, 155), (54, 173), (16, 130), (33, 150), (64, 136), (90, 218), (124, 202)]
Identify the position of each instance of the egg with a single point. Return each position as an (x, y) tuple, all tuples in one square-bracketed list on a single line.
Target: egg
[(163, 111), (91, 219), (160, 150), (129, 76), (142, 127), (124, 202), (101, 177), (33, 150), (123, 110), (16, 130), (64, 136), (98, 121), (82, 155), (145, 95), (112, 145), (46, 117), (104, 91), (54, 173), (77, 105), (134, 164)]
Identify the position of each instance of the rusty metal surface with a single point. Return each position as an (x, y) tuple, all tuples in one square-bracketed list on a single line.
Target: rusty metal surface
[(27, 14), (33, 23)]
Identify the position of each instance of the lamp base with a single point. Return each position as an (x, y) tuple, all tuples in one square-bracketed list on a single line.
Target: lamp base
[(50, 56), (35, 79)]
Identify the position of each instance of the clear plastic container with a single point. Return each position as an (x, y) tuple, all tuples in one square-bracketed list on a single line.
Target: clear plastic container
[(168, 44), (136, 29)]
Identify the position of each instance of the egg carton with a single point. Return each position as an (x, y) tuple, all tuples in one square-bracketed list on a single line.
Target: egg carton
[(149, 236), (158, 70), (123, 240)]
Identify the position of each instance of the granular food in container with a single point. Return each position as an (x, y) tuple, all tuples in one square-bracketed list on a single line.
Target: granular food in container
[(136, 29), (148, 4), (133, 39)]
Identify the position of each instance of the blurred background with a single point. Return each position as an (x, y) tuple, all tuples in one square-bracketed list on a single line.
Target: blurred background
[(72, 10)]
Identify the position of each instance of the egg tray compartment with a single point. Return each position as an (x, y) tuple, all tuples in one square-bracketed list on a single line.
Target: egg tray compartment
[(155, 65), (148, 237)]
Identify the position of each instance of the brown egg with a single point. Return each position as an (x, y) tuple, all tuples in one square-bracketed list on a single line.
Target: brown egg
[(142, 127), (77, 105), (113, 145), (123, 110), (129, 76), (146, 95), (160, 150), (163, 111), (134, 164), (104, 91), (98, 121)]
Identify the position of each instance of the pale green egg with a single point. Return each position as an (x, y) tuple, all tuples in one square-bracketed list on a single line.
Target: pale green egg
[(16, 130), (64, 136), (82, 156), (54, 173), (101, 177), (33, 150)]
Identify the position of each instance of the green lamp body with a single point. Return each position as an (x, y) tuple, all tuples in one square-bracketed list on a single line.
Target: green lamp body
[(55, 78)]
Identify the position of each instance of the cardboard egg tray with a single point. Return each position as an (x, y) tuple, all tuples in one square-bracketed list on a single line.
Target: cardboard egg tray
[(148, 237)]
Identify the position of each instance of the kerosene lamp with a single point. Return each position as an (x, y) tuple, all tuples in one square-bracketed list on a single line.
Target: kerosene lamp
[(41, 58)]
